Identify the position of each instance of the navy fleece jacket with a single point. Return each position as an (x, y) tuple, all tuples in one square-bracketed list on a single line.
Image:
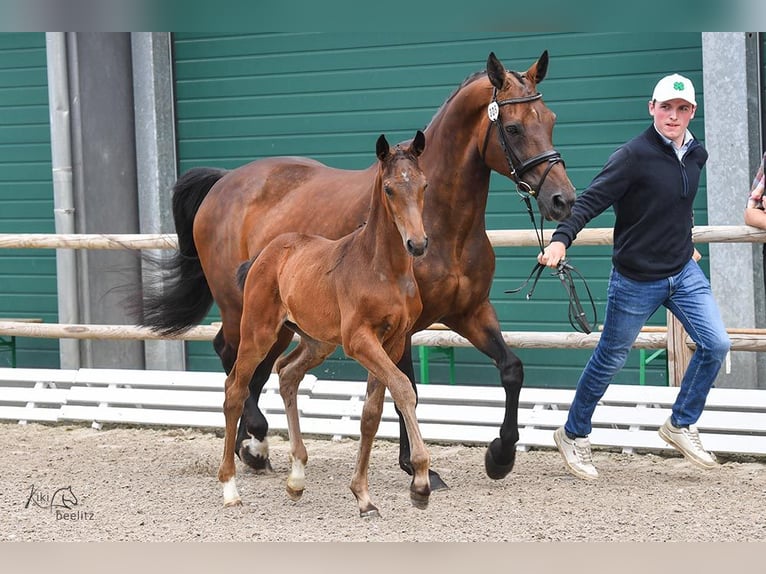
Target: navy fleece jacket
[(652, 193)]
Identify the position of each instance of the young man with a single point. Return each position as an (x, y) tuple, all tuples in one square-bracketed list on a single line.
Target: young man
[(651, 182)]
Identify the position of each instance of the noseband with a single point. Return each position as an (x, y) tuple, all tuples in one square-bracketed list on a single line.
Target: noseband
[(517, 167)]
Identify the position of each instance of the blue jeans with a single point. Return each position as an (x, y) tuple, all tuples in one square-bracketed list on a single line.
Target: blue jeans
[(629, 305)]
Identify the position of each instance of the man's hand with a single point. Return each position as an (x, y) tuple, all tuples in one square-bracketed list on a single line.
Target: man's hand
[(555, 252)]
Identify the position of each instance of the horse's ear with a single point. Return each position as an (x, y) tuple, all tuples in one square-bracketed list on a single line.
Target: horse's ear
[(495, 71), (538, 70), (381, 148), (418, 144)]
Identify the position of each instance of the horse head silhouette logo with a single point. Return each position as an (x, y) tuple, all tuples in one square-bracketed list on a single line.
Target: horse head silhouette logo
[(64, 498)]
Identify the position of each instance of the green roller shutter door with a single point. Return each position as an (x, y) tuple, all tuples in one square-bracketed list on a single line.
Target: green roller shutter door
[(27, 276), (328, 96)]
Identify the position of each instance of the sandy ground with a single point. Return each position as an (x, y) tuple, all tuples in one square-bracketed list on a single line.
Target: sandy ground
[(148, 484)]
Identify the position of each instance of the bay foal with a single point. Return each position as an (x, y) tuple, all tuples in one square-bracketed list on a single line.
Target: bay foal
[(358, 291)]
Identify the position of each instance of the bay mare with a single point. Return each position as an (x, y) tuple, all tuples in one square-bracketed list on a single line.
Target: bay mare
[(495, 120)]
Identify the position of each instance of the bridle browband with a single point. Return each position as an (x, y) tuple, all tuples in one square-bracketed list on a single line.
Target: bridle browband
[(517, 167), (577, 318)]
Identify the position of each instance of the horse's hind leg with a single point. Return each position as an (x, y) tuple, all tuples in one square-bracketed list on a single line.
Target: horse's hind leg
[(252, 446), (405, 365), (292, 368), (225, 352), (235, 393), (259, 334)]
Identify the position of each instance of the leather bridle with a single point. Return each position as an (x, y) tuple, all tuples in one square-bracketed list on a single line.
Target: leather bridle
[(577, 318), (517, 167)]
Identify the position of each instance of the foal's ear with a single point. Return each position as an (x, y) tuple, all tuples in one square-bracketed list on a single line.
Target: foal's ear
[(381, 148), (495, 71), (418, 144), (538, 70)]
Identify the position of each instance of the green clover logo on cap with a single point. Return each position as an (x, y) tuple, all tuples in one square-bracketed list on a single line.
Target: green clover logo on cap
[(678, 86)]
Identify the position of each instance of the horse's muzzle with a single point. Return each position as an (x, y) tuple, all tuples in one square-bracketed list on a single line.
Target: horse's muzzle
[(416, 249)]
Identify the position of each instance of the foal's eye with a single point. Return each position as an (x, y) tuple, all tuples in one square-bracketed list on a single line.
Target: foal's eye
[(513, 129), (388, 190)]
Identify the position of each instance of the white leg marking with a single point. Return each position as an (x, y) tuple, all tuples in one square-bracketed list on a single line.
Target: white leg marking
[(257, 448), (230, 493), (297, 478)]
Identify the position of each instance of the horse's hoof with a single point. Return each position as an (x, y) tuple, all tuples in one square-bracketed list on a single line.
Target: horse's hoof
[(260, 464), (230, 503), (436, 481), (294, 495), (371, 512), (433, 477), (496, 470), (419, 501)]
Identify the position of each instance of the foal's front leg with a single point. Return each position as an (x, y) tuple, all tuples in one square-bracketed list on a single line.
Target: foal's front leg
[(370, 420), (368, 351)]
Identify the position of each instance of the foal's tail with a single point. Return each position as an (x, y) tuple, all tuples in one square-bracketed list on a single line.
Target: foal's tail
[(242, 272), (182, 298)]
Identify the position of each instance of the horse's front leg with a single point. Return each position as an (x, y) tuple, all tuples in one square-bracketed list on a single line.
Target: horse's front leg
[(369, 423), (367, 350), (252, 446), (405, 366), (482, 329)]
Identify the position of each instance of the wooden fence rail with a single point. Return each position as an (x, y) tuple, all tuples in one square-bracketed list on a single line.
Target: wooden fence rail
[(749, 340), (498, 238)]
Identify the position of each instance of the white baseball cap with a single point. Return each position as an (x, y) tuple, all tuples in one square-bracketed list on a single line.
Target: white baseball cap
[(672, 87)]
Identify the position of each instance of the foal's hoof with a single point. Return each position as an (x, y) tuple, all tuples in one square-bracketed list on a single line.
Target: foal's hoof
[(371, 512), (419, 500), (433, 477), (497, 470), (230, 503), (294, 494), (260, 464)]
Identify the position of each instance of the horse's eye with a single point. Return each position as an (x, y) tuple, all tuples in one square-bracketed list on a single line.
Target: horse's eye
[(388, 190), (513, 129)]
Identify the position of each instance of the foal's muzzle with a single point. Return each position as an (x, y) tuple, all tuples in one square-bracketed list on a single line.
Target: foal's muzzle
[(416, 249)]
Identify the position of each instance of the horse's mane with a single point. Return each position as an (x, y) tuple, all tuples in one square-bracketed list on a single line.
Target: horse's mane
[(472, 78)]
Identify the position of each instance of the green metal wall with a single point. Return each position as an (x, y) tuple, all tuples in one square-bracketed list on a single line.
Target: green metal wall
[(27, 277), (328, 96)]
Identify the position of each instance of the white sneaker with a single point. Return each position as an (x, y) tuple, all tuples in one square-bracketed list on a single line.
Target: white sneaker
[(687, 442), (576, 455)]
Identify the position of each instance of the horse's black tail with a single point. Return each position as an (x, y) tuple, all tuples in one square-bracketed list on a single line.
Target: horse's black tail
[(182, 298)]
